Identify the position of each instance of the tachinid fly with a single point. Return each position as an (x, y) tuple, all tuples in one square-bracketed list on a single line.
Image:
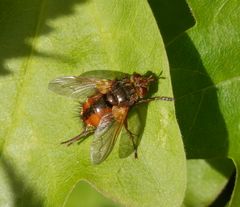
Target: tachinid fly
[(106, 106)]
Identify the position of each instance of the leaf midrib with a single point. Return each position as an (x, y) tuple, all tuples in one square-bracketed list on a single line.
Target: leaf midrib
[(97, 21)]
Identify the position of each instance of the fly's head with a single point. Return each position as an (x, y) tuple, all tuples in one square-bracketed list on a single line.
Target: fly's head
[(141, 83)]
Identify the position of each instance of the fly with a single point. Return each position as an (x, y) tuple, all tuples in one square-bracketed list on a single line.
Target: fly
[(106, 105)]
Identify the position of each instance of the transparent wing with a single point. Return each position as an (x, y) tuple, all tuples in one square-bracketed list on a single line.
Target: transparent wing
[(105, 138), (74, 86)]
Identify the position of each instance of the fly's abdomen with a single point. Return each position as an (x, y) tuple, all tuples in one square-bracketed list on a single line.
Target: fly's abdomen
[(94, 110)]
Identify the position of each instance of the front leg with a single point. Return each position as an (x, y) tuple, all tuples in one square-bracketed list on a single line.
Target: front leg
[(162, 98)]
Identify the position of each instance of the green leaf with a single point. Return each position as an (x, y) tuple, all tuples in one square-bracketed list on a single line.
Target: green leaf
[(47, 39), (206, 179), (205, 71), (83, 195)]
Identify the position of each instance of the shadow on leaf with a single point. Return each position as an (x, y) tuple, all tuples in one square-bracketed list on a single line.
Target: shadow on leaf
[(197, 109), (173, 17), (22, 22), (23, 194)]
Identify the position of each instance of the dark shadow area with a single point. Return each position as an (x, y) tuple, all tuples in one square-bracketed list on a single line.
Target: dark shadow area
[(23, 20), (24, 195), (201, 122), (199, 117), (136, 122), (173, 17), (223, 165), (225, 195)]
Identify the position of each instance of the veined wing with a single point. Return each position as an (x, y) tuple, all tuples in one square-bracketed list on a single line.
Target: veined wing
[(105, 138), (75, 86)]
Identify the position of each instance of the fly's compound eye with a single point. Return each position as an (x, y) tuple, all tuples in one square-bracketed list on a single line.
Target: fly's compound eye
[(142, 91)]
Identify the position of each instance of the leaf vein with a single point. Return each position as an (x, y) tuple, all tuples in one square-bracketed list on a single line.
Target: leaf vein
[(196, 115), (23, 72), (220, 84)]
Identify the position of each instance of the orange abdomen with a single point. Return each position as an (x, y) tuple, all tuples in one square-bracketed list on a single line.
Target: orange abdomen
[(93, 110)]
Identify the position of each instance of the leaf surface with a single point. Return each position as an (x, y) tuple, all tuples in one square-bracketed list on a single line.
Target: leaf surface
[(206, 180), (56, 38)]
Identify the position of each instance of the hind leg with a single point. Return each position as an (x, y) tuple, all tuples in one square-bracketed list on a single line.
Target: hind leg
[(132, 138), (81, 136)]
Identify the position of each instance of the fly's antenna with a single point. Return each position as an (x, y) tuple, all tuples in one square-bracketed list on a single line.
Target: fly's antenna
[(160, 76)]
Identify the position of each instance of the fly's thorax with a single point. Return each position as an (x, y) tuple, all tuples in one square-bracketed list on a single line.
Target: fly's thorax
[(122, 93)]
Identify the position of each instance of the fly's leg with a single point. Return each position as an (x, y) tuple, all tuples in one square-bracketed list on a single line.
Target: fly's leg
[(132, 138), (82, 136), (162, 98)]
